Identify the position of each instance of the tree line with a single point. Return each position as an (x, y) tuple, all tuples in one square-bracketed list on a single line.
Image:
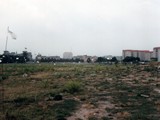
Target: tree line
[(23, 58)]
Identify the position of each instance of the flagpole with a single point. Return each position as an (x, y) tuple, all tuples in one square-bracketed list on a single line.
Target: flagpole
[(6, 43), (6, 40)]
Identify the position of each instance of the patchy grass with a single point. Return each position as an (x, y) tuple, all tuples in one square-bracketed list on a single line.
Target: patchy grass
[(63, 109), (119, 92)]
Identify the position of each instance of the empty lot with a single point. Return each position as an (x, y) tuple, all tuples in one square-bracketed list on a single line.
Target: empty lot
[(85, 92)]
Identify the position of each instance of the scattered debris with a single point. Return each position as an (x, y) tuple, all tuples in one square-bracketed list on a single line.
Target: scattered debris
[(157, 90), (146, 96), (25, 75)]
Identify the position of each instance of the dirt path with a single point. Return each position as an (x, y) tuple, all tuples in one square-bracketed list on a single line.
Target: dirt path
[(88, 110)]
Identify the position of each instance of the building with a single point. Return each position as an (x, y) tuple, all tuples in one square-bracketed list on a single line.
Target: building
[(28, 55), (50, 58), (38, 57), (144, 55), (80, 57), (152, 56), (41, 58), (108, 57), (13, 57), (6, 52), (127, 53), (156, 53), (119, 58), (85, 58), (94, 58), (67, 55)]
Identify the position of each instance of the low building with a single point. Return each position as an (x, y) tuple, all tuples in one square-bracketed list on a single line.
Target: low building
[(119, 58), (12, 57), (108, 57), (41, 58), (6, 52), (85, 58), (50, 57), (38, 57), (94, 58), (28, 55)]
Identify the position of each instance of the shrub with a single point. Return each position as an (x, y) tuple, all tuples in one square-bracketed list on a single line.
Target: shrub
[(73, 86)]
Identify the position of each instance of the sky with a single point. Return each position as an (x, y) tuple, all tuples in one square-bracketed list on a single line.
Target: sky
[(92, 27)]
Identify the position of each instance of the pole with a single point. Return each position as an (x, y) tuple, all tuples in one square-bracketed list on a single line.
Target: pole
[(6, 43), (6, 39)]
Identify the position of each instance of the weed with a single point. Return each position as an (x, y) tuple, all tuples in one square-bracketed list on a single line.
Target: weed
[(45, 83), (57, 75), (73, 86)]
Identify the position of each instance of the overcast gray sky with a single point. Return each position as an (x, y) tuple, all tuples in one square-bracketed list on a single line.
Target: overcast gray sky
[(93, 27)]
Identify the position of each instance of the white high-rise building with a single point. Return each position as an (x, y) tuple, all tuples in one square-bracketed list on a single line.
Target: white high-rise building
[(156, 53), (67, 55), (126, 53), (144, 55)]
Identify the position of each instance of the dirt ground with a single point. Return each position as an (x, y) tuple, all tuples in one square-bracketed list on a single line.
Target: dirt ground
[(100, 92)]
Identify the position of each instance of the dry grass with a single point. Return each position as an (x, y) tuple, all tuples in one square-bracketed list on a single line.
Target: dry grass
[(106, 92)]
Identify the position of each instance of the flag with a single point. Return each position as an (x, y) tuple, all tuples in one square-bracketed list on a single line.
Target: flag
[(12, 34)]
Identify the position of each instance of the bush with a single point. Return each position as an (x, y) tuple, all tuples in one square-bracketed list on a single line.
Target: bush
[(73, 86)]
